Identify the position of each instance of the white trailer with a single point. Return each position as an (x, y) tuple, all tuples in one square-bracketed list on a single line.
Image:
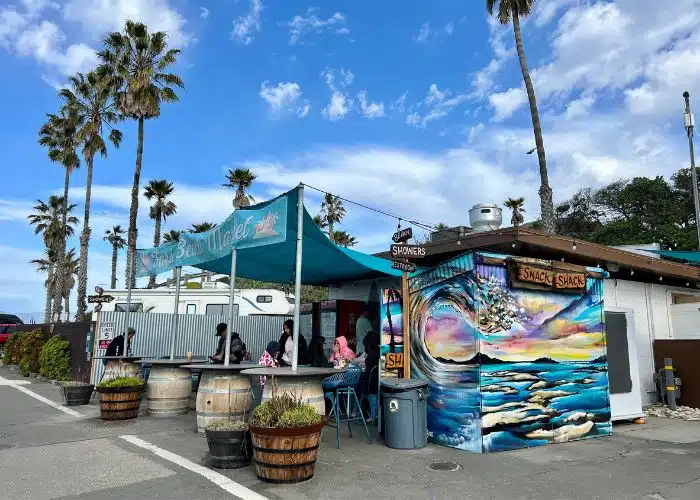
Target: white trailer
[(211, 299)]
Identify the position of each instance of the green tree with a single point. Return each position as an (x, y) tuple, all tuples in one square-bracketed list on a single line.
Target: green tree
[(202, 227), (516, 207), (47, 265), (171, 236), (115, 238), (162, 208), (343, 239), (507, 11), (59, 136), (91, 98), (579, 217), (135, 63), (240, 179), (332, 212)]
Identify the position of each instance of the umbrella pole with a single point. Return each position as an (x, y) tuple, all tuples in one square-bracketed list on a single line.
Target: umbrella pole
[(232, 292), (175, 322), (130, 267), (297, 276)]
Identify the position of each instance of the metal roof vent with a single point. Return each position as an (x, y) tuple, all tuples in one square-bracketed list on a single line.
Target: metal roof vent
[(485, 217)]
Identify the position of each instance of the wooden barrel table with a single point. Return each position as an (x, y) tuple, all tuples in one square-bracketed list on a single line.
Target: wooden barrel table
[(223, 394), (305, 383), (121, 367), (169, 388)]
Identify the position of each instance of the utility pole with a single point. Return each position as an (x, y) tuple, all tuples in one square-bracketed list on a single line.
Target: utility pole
[(689, 122)]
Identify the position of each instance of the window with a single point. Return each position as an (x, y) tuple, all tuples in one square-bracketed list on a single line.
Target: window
[(263, 299), (290, 300), (191, 309), (121, 307), (219, 310)]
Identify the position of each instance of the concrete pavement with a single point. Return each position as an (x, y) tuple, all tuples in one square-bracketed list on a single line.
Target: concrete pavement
[(45, 453)]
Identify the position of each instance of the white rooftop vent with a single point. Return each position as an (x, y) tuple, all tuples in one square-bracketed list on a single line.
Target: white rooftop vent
[(485, 217)]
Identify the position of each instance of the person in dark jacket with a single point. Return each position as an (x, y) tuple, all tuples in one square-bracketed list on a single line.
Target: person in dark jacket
[(116, 346), (317, 354)]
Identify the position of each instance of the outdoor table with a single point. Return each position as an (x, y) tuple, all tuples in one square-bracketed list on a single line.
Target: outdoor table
[(305, 383), (223, 393), (169, 387), (118, 366)]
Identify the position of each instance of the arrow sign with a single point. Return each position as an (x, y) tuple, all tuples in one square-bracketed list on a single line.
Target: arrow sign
[(99, 299), (407, 252), (402, 235), (403, 266)]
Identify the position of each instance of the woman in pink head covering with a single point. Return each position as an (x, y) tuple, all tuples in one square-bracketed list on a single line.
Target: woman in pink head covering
[(342, 354)]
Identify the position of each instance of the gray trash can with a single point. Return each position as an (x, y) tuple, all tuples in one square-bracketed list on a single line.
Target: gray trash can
[(405, 413)]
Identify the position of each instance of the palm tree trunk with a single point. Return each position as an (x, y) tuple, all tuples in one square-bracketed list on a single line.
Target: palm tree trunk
[(115, 255), (49, 298), (546, 203), (61, 260), (67, 302), (134, 210), (330, 230), (156, 242), (84, 241)]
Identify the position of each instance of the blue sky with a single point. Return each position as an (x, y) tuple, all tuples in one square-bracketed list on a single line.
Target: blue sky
[(414, 107)]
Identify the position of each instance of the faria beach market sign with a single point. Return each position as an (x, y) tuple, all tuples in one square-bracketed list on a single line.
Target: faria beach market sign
[(245, 228)]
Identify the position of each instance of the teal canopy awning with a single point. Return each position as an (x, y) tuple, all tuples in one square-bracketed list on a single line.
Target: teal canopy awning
[(256, 232), (688, 257)]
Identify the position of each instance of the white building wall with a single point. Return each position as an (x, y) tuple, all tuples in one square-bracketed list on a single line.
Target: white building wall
[(685, 319)]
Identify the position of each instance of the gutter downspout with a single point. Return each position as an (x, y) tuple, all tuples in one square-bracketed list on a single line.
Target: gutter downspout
[(648, 291)]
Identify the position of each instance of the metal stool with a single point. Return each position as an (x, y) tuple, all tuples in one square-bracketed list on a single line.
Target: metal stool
[(343, 384)]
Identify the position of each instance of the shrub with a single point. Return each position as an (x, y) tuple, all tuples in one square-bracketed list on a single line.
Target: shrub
[(122, 382), (30, 348), (284, 411), (227, 425), (12, 354), (54, 360)]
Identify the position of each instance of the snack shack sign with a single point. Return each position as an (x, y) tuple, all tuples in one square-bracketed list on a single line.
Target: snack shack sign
[(524, 276)]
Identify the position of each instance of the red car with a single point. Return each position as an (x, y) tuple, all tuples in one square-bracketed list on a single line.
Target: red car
[(7, 323)]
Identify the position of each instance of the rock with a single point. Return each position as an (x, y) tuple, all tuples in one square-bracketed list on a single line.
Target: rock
[(681, 412)]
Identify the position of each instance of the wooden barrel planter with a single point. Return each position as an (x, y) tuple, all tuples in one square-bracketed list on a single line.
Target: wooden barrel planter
[(168, 391), (120, 403), (77, 394), (222, 396), (229, 449), (286, 455), (308, 389)]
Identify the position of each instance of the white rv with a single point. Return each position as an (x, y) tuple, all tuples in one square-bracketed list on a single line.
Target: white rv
[(211, 299)]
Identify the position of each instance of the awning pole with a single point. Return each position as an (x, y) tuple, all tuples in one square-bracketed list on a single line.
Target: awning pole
[(297, 276), (232, 292), (130, 267), (175, 322)]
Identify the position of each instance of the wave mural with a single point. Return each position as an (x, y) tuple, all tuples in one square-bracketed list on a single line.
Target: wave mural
[(507, 368)]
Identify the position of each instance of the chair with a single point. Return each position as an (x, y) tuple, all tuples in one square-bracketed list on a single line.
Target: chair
[(340, 388)]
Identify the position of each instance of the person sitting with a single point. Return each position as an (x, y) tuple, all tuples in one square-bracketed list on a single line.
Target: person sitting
[(284, 356), (237, 349), (269, 358), (342, 354), (317, 353)]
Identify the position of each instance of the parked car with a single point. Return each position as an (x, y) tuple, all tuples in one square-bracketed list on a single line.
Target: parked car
[(7, 324)]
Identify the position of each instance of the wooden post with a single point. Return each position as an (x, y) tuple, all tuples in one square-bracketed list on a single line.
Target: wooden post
[(406, 327)]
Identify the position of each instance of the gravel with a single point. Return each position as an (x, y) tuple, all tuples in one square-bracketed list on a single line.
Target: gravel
[(681, 412)]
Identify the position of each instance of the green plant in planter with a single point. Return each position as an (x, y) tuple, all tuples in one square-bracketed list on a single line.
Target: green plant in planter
[(30, 347), (54, 360), (122, 382), (284, 411), (227, 425)]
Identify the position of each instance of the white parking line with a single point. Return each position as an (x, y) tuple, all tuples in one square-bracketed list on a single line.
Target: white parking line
[(220, 480), (18, 384)]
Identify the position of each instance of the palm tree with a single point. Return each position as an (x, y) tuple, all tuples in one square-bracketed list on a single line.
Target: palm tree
[(91, 98), (48, 220), (135, 63), (161, 209), (71, 270), (202, 227), (320, 222), (59, 136), (343, 239), (240, 180), (332, 212), (47, 265), (171, 236), (516, 206), (441, 226), (114, 237), (512, 11)]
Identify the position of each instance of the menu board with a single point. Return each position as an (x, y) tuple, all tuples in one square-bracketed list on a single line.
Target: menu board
[(328, 327), (305, 324)]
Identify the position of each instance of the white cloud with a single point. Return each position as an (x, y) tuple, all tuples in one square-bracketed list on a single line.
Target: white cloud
[(204, 13), (282, 95), (449, 28), (303, 111), (435, 96), (437, 105), (483, 82), (346, 77), (337, 108), (506, 103), (579, 107), (399, 104), (423, 34), (246, 27), (369, 109), (303, 26)]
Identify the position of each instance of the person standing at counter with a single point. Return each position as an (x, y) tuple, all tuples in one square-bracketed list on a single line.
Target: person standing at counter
[(362, 327)]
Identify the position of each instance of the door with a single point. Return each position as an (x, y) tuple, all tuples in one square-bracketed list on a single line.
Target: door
[(623, 365)]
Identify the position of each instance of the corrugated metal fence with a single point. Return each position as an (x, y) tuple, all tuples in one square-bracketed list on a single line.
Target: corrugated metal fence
[(196, 333)]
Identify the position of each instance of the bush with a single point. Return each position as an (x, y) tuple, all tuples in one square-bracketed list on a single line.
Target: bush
[(54, 360), (29, 351), (284, 411), (227, 425), (122, 382), (12, 354)]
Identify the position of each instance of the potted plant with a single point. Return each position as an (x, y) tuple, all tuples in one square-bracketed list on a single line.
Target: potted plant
[(77, 392), (286, 433), (120, 397), (230, 446)]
